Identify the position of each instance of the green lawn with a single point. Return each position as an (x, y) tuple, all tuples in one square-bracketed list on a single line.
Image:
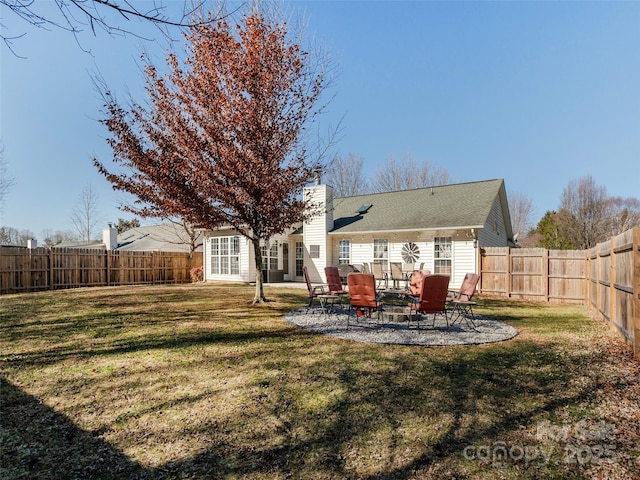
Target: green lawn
[(193, 382)]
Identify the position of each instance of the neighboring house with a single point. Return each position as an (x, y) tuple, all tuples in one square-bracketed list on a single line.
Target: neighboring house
[(91, 244), (437, 228), (165, 237)]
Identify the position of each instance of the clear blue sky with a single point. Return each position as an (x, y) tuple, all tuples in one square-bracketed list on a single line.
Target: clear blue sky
[(537, 93)]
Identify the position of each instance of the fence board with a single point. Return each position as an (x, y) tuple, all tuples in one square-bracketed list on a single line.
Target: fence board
[(534, 274), (606, 278), (30, 270)]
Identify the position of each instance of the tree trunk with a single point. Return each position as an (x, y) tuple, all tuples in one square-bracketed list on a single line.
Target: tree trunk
[(259, 295)]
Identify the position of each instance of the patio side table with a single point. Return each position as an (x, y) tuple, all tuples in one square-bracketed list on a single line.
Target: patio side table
[(463, 309), (327, 303)]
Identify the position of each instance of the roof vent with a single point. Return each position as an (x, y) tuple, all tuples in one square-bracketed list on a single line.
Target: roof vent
[(364, 208)]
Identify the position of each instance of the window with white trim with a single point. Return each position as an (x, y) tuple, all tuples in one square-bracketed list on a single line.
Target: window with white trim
[(299, 258), (442, 255), (225, 255), (344, 252), (380, 249)]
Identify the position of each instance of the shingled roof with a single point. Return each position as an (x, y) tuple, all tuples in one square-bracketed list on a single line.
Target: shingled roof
[(443, 207), (165, 237)]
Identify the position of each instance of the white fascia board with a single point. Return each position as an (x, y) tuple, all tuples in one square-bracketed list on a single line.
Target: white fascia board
[(430, 229)]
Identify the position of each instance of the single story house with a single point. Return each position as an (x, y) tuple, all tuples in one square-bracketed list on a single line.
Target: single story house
[(436, 228), (164, 237)]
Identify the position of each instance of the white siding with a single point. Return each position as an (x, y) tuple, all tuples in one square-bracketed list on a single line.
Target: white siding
[(315, 232), (464, 261), (463, 253), (362, 250), (494, 233)]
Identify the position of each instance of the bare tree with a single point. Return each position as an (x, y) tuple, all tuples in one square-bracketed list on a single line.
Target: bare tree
[(188, 234), (346, 177), (7, 181), (181, 232), (15, 237), (75, 15), (583, 212), (52, 238), (406, 174), (624, 214), (85, 216), (521, 212)]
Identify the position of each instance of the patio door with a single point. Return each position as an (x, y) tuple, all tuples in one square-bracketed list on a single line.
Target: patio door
[(269, 260)]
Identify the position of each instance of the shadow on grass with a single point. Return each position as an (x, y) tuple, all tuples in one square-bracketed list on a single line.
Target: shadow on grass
[(169, 340), (332, 409), (470, 384), (470, 387), (38, 443)]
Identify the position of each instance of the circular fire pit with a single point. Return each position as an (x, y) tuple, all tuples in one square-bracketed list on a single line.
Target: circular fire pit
[(394, 328)]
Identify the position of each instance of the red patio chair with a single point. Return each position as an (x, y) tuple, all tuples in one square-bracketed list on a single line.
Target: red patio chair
[(362, 295), (460, 301), (334, 281), (314, 291), (467, 289), (415, 283), (433, 298)]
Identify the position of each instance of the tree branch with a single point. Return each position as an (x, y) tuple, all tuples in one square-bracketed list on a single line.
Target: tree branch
[(94, 12)]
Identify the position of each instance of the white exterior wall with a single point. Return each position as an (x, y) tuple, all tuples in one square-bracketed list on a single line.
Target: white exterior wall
[(463, 255), (361, 250), (247, 258), (464, 261), (494, 234), (315, 232)]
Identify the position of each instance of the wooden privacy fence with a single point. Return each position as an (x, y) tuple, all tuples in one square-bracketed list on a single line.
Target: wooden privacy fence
[(537, 274), (606, 278), (29, 270)]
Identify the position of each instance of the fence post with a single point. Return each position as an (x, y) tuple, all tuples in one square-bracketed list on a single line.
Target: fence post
[(636, 292), (507, 285), (51, 269), (153, 268), (480, 268), (108, 279), (612, 283), (26, 272), (545, 273), (598, 274), (587, 276)]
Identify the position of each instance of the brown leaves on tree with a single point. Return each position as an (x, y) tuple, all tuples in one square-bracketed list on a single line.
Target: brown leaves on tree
[(223, 138)]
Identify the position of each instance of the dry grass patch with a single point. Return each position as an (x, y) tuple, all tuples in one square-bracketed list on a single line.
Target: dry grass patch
[(193, 382)]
